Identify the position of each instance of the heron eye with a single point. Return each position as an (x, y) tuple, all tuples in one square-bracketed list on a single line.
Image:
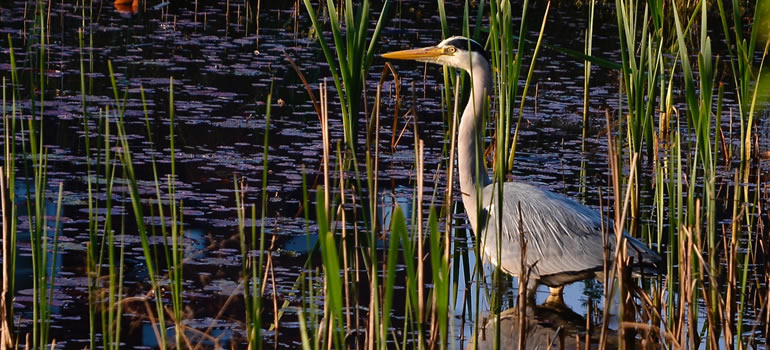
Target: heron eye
[(451, 49)]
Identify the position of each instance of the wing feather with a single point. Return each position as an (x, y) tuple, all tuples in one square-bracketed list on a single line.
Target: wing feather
[(562, 235)]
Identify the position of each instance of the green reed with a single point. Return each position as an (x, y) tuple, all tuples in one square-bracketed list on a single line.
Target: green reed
[(334, 322), (751, 87), (349, 68), (257, 274), (174, 252), (508, 48), (307, 302), (42, 274), (172, 247), (699, 116), (398, 230), (742, 53), (339, 257), (668, 176), (507, 85), (38, 164), (161, 213), (440, 273), (91, 246), (685, 201), (175, 270), (450, 74), (108, 312), (687, 175), (587, 50), (642, 57), (350, 41), (43, 243), (252, 266), (10, 210)]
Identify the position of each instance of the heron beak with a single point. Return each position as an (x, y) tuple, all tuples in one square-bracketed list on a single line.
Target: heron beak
[(429, 54)]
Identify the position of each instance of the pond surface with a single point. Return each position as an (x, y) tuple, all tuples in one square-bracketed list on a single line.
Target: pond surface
[(222, 72)]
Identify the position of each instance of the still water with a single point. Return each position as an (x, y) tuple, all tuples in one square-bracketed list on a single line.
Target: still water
[(223, 68)]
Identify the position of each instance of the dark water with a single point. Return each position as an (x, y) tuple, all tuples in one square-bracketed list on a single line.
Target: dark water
[(222, 76)]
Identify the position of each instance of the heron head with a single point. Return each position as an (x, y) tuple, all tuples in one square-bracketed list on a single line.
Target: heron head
[(457, 51)]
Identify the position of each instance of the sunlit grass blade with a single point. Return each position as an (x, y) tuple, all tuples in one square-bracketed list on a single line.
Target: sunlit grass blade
[(331, 271), (398, 230)]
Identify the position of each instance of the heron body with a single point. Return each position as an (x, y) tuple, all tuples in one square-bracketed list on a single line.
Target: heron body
[(564, 238)]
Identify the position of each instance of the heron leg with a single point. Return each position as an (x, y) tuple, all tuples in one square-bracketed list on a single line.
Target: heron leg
[(556, 297)]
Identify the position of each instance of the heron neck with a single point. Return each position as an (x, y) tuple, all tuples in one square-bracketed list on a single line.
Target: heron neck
[(470, 144)]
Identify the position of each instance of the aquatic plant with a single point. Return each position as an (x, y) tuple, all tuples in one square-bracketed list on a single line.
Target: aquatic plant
[(684, 173), (353, 55)]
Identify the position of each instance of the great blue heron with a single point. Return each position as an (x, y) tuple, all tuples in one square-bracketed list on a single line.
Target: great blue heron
[(564, 238)]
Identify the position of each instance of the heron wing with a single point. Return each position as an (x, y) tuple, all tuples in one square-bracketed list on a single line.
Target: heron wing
[(563, 236)]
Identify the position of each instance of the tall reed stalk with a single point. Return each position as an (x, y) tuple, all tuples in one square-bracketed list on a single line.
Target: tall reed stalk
[(508, 48), (699, 181), (353, 55), (10, 209), (588, 48), (253, 254), (687, 176), (749, 80)]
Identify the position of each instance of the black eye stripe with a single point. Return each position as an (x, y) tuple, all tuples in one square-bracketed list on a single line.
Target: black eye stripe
[(462, 43)]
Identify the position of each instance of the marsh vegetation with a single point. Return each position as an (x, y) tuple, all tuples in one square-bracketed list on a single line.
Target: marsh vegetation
[(249, 174)]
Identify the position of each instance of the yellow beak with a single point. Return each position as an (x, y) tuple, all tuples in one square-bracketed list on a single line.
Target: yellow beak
[(422, 54)]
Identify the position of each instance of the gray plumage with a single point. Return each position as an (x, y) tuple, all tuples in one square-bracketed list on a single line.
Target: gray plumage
[(565, 241), (564, 238)]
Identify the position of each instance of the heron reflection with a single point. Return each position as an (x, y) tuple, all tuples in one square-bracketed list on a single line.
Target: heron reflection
[(548, 326)]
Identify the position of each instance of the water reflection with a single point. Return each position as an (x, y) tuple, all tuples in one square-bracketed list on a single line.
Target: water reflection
[(219, 92), (552, 326)]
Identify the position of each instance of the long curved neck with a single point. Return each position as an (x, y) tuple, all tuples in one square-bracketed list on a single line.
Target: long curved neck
[(470, 144)]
